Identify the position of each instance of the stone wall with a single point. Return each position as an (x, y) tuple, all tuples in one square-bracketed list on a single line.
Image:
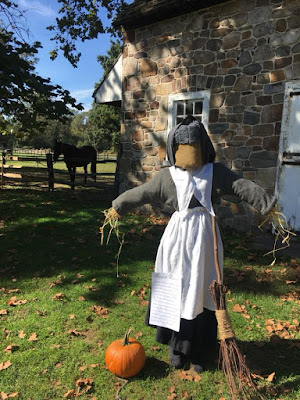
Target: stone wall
[(243, 51)]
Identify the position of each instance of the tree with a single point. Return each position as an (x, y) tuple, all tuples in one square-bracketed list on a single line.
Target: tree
[(82, 20), (26, 97), (78, 128), (103, 126), (108, 60)]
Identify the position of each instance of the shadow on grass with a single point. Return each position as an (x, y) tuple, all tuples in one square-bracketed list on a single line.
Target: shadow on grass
[(45, 234), (154, 369), (278, 355), (68, 241)]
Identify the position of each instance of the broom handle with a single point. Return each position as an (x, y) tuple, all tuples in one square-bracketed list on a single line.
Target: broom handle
[(217, 266)]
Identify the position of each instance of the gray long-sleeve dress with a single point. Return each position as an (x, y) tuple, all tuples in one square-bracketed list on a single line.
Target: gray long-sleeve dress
[(197, 338), (161, 190)]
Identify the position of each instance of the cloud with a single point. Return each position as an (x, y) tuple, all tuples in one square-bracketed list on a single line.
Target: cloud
[(84, 96), (38, 7)]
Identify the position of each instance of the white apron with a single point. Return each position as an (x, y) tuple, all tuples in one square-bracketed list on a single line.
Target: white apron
[(186, 247)]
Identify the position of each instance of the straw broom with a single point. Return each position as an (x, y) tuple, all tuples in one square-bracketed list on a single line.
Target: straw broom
[(238, 376)]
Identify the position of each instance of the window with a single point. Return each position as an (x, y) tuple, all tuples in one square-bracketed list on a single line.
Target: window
[(185, 107), (182, 104)]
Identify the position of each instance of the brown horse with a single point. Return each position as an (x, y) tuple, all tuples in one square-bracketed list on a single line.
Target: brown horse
[(76, 157)]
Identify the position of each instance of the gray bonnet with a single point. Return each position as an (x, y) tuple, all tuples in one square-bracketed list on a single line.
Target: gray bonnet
[(190, 131)]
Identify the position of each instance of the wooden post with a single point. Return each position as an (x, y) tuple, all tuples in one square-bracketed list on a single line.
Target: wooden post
[(2, 167), (50, 171)]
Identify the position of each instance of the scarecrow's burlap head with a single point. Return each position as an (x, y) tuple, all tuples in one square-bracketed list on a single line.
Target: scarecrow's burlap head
[(188, 145)]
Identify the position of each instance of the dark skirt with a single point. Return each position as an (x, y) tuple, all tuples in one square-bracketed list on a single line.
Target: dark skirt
[(196, 339)]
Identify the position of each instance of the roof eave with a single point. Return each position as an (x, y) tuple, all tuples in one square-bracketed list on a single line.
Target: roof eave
[(141, 14)]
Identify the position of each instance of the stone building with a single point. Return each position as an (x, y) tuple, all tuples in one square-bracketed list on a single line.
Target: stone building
[(236, 65)]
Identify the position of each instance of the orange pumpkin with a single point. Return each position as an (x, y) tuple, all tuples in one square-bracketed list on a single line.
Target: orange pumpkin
[(125, 357)]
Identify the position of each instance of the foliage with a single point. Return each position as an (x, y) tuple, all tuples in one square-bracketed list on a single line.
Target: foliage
[(103, 128), (108, 60), (29, 104), (41, 137), (61, 305), (100, 126), (78, 128), (26, 97), (81, 19)]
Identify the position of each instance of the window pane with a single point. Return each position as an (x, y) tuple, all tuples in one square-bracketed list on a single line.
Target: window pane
[(198, 107), (180, 108), (189, 108), (178, 120)]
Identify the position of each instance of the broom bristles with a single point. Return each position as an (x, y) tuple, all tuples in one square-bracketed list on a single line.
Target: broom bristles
[(238, 375)]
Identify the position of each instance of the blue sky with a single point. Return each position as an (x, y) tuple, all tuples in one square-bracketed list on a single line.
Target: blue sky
[(79, 81)]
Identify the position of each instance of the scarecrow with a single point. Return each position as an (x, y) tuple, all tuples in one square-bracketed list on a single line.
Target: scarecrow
[(190, 186)]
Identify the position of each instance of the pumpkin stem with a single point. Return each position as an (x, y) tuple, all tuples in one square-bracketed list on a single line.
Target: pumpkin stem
[(126, 337)]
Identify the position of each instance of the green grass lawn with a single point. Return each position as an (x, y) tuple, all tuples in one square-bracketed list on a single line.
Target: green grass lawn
[(55, 277), (36, 173)]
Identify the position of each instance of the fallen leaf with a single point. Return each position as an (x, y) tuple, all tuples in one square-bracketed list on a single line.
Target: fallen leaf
[(102, 311), (15, 302), (44, 372), (13, 291), (55, 346), (58, 365), (183, 375), (22, 334), (256, 376), (57, 282), (41, 313), (69, 394), (72, 316), (92, 288), (138, 334), (5, 365), (84, 384), (58, 296), (11, 348), (271, 377), (237, 308), (245, 315), (3, 312), (33, 337), (7, 333), (172, 396), (94, 365), (82, 368), (5, 396), (81, 298), (156, 348)]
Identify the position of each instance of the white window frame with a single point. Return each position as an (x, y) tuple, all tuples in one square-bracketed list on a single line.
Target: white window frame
[(203, 95)]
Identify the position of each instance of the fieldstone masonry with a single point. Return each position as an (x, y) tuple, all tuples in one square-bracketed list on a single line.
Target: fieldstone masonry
[(243, 51)]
